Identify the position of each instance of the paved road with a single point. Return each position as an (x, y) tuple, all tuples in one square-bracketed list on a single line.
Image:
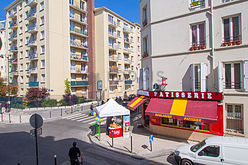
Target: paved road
[(16, 145)]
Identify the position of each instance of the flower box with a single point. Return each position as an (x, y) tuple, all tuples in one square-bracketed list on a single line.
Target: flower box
[(233, 42), (229, 43), (203, 46), (238, 42), (195, 47), (191, 48), (145, 55)]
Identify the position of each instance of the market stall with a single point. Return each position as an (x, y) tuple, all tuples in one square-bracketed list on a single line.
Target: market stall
[(113, 109)]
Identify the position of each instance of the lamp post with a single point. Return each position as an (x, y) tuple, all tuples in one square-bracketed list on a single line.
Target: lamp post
[(8, 86)]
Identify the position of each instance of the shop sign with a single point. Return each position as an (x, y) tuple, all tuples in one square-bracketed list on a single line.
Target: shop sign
[(183, 95), (162, 115), (192, 119), (126, 124)]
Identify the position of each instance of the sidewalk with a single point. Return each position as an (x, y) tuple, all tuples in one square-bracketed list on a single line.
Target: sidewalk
[(161, 146)]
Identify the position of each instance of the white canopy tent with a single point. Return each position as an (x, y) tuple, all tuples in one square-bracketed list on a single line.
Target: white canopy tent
[(111, 108)]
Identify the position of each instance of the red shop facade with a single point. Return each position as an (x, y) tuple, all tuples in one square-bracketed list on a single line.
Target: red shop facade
[(185, 115)]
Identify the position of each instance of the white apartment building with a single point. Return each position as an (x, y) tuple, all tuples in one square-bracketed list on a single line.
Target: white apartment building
[(118, 53), (3, 59), (199, 46), (49, 42)]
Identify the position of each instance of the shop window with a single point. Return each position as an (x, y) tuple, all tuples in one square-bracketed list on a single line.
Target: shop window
[(210, 151), (234, 121), (168, 121)]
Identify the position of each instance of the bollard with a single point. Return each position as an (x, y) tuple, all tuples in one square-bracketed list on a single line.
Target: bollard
[(131, 143), (20, 119), (61, 112), (9, 119), (50, 114), (55, 160), (2, 116)]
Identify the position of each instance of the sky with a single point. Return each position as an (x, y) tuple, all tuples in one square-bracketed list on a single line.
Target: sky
[(128, 9)]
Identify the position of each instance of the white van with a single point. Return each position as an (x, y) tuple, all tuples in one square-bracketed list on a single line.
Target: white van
[(217, 150)]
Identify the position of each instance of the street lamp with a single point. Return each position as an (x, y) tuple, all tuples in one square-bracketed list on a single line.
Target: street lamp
[(8, 85)]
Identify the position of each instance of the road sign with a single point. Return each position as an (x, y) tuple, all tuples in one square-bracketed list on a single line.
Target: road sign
[(36, 121), (39, 131), (151, 138)]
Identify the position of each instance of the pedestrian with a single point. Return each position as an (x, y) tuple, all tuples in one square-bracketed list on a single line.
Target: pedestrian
[(74, 154), (91, 109)]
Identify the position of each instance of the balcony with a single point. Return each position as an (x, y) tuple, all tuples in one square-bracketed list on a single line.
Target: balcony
[(13, 37), (32, 70), (75, 57), (127, 30), (112, 47), (113, 58), (13, 48), (12, 14), (32, 43), (32, 28), (14, 73), (113, 82), (113, 24), (197, 4), (113, 35), (79, 83), (127, 51), (127, 41), (79, 71), (31, 15), (79, 20), (13, 25), (78, 45), (33, 84), (79, 8), (79, 32), (13, 60), (127, 61), (128, 82), (31, 2), (33, 56), (113, 70)]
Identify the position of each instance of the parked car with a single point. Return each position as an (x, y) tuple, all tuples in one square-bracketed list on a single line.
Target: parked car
[(216, 150)]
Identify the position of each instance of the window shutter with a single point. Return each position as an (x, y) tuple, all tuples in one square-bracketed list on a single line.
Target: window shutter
[(204, 72), (192, 77), (141, 79), (245, 68), (144, 78), (147, 79), (220, 76)]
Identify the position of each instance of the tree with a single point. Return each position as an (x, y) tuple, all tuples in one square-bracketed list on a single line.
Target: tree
[(67, 87), (36, 96), (4, 88)]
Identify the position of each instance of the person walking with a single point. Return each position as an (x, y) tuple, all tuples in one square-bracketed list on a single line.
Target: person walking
[(74, 154), (91, 109)]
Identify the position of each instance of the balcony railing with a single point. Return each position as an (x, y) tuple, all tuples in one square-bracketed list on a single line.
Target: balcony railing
[(127, 30), (31, 42), (74, 70), (13, 36), (126, 40), (32, 28), (113, 35), (114, 47), (32, 70), (198, 46), (32, 56), (78, 7), (79, 45), (13, 60), (128, 82), (233, 85), (33, 84), (81, 32), (113, 58), (82, 58), (113, 82), (12, 14), (113, 23), (127, 50), (196, 4), (79, 83), (233, 40), (113, 69)]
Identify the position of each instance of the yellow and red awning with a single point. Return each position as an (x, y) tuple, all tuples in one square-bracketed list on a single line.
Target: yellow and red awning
[(137, 101), (190, 110)]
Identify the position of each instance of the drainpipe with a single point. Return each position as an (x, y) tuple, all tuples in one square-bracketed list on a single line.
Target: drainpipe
[(212, 28)]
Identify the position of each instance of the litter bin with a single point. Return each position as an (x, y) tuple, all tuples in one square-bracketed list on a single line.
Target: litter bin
[(94, 128)]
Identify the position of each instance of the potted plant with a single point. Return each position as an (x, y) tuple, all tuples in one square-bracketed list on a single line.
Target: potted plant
[(191, 48), (233, 42), (229, 43), (203, 46), (238, 42)]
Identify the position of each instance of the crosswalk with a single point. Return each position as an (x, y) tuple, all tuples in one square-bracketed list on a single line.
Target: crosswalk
[(83, 118)]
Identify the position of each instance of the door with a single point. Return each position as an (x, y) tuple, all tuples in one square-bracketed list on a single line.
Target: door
[(210, 154)]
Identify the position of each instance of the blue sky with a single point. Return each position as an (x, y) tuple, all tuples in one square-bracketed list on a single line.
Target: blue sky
[(128, 9)]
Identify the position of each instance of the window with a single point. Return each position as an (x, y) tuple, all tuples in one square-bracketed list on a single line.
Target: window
[(111, 89), (82, 5), (43, 49), (72, 26), (20, 19), (145, 51), (110, 19), (210, 151), (21, 54), (234, 121), (197, 70), (20, 32), (119, 68), (43, 64), (42, 20), (144, 16), (20, 42), (118, 22), (118, 33), (21, 67), (111, 31), (71, 2), (111, 42), (232, 29), (42, 6), (42, 35), (72, 13), (43, 78), (198, 35), (119, 56), (233, 76), (21, 79)]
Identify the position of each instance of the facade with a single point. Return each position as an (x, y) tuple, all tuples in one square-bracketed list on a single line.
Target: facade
[(198, 46), (118, 54), (3, 58), (49, 42)]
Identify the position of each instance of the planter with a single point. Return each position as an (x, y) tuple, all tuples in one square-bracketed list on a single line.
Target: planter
[(224, 44), (191, 48), (238, 42), (203, 47), (145, 55), (199, 47), (195, 47), (229, 43), (233, 42)]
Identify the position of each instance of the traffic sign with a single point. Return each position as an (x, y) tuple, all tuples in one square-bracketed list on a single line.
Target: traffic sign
[(39, 131), (36, 121), (151, 138)]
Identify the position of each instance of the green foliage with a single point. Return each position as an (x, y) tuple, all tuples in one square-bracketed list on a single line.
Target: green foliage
[(49, 103), (80, 100), (67, 86), (62, 102), (17, 106)]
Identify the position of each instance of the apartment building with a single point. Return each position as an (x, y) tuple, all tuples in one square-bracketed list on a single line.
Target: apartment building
[(3, 59), (49, 42), (118, 54), (200, 49)]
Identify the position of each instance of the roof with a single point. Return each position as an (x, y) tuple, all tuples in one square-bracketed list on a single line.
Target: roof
[(228, 140), (103, 8), (13, 4)]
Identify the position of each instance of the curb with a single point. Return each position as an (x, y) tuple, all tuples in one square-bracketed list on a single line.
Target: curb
[(114, 150)]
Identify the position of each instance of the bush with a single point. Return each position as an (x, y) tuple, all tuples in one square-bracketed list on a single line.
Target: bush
[(62, 102), (74, 99), (17, 106), (49, 103)]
